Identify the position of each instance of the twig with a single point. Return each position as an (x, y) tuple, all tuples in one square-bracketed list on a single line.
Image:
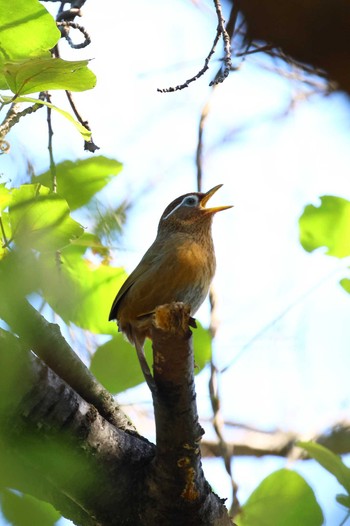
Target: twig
[(12, 117), (227, 44), (3, 233), (218, 423), (199, 74), (199, 152), (220, 31), (285, 311), (65, 26), (89, 146), (53, 170)]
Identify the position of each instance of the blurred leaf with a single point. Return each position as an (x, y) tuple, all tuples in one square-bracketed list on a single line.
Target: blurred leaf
[(202, 346), (330, 461), (40, 219), (5, 197), (47, 73), (79, 181), (24, 510), (85, 133), (344, 500), (108, 222), (5, 233), (116, 366), (282, 498), (327, 225), (88, 240), (27, 30), (345, 283), (81, 291)]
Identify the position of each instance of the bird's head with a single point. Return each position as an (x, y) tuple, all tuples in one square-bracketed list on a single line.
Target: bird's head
[(189, 212)]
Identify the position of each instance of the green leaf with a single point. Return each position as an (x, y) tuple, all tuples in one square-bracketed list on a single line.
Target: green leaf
[(282, 498), (27, 30), (327, 225), (5, 197), (344, 500), (5, 233), (86, 134), (81, 291), (116, 366), (24, 510), (40, 219), (47, 73), (330, 461), (79, 181), (202, 345)]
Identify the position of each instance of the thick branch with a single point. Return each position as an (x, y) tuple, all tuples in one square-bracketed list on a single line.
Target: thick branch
[(46, 340), (177, 477), (58, 448)]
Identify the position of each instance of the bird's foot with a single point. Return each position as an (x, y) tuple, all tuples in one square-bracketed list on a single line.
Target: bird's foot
[(173, 317)]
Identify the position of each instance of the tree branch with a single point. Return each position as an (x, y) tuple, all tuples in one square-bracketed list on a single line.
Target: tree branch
[(59, 448), (46, 340), (186, 497)]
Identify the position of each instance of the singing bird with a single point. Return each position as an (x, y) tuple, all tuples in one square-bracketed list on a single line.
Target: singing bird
[(178, 267)]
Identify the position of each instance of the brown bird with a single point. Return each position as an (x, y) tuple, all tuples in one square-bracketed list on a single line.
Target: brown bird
[(178, 267)]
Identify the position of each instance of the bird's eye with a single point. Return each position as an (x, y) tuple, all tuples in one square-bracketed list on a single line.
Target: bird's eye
[(191, 201)]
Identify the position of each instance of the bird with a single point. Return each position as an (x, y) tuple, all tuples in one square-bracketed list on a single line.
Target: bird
[(178, 267)]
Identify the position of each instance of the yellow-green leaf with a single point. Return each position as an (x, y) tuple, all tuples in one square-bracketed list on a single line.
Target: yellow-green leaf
[(48, 73)]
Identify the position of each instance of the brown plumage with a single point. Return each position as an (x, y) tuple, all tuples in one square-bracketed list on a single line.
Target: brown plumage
[(178, 267)]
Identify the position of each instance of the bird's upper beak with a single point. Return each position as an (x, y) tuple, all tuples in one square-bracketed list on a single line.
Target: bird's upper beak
[(206, 198)]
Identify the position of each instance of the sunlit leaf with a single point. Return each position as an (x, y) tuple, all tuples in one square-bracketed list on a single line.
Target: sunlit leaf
[(80, 180), (344, 500), (5, 197), (202, 346), (23, 510), (27, 30), (86, 134), (327, 226), (330, 461), (79, 290), (116, 366), (282, 498), (5, 233), (40, 219), (47, 73)]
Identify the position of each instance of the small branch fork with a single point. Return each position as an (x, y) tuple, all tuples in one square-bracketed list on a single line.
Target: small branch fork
[(220, 31)]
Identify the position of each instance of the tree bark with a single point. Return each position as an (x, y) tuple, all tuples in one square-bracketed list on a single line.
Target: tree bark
[(58, 447)]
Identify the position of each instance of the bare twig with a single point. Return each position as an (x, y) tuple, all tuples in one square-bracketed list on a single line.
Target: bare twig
[(65, 26), (220, 31), (11, 118), (53, 171), (227, 44), (226, 452), (199, 152), (217, 420), (89, 146), (199, 74)]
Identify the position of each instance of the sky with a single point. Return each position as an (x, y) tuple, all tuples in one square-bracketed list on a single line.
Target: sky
[(294, 374)]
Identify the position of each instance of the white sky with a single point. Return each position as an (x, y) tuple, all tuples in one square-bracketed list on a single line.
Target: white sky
[(295, 375)]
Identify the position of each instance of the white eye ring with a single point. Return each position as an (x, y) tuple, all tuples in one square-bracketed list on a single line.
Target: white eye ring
[(190, 200)]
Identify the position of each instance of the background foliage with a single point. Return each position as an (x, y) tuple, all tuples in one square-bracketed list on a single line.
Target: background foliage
[(56, 230)]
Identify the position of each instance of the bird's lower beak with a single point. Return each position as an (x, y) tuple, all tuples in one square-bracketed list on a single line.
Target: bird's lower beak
[(206, 198)]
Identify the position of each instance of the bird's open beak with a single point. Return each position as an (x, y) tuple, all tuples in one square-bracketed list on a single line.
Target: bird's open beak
[(206, 198)]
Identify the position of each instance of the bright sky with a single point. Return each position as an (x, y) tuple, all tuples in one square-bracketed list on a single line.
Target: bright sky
[(295, 375)]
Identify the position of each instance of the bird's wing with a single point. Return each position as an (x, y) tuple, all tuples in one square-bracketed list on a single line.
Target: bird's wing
[(141, 268)]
